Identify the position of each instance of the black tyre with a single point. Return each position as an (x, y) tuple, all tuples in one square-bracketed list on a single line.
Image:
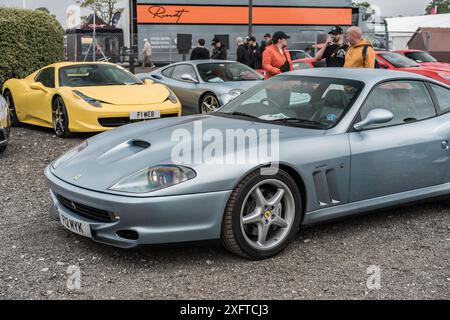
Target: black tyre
[(3, 148), (209, 103), (13, 119), (60, 118), (262, 215)]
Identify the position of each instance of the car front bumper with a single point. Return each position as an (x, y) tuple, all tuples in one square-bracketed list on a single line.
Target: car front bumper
[(156, 220)]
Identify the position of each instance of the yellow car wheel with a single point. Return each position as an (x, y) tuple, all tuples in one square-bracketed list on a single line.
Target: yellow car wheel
[(13, 120), (60, 118)]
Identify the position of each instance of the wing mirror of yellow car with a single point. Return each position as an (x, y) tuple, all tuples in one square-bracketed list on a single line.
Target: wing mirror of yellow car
[(149, 82), (38, 86)]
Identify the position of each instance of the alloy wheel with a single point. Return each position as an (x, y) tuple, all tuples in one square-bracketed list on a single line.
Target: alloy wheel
[(210, 104), (59, 118)]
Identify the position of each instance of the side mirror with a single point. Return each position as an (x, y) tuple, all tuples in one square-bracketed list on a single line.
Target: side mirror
[(38, 86), (376, 116), (188, 78), (149, 82)]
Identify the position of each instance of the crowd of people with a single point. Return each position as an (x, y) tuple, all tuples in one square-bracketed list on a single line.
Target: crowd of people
[(272, 54)]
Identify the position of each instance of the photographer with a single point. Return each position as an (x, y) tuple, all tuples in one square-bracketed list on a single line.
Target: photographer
[(334, 50)]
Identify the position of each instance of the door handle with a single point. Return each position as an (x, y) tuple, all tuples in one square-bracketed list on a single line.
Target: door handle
[(445, 145)]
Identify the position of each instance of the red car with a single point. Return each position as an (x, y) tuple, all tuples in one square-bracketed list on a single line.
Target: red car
[(423, 58), (396, 61)]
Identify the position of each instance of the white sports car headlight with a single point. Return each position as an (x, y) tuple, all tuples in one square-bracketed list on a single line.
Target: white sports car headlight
[(69, 154), (154, 178)]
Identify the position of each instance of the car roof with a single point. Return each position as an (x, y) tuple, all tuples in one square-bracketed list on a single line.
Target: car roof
[(197, 62), (369, 76), (71, 63)]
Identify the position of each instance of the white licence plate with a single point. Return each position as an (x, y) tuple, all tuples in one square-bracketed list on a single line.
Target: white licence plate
[(76, 226), (144, 115)]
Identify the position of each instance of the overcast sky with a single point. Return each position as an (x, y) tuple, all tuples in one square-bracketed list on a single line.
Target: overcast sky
[(388, 7)]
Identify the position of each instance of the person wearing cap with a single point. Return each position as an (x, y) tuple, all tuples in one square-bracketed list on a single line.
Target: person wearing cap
[(241, 52), (147, 53), (276, 58), (219, 51), (254, 54), (200, 52), (334, 50), (266, 42)]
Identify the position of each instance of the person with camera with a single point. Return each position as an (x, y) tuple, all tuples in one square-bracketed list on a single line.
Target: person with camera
[(334, 50)]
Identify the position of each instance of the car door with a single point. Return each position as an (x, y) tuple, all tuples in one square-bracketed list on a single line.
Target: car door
[(39, 101), (184, 90), (441, 95), (403, 154)]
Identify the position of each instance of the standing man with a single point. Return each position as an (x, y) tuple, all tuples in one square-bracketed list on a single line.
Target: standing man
[(334, 50), (200, 52), (219, 51), (266, 42), (241, 52), (276, 58), (147, 52), (255, 59), (361, 53)]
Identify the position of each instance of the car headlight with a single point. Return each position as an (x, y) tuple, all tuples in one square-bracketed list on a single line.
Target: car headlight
[(93, 102), (235, 92), (69, 154), (154, 178), (446, 76), (172, 97)]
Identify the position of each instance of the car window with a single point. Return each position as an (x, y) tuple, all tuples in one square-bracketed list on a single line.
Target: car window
[(181, 70), (301, 65), (409, 101), (295, 55), (167, 72), (443, 97), (227, 71), (46, 77), (420, 56), (398, 61), (305, 101)]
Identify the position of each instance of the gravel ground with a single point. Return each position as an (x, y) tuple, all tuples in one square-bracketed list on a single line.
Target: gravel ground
[(411, 246)]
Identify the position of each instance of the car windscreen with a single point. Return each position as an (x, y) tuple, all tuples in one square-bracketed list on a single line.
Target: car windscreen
[(85, 75), (225, 72), (398, 61), (314, 102), (420, 56)]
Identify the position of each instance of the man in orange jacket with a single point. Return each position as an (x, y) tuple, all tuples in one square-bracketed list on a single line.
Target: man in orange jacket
[(276, 58), (361, 53)]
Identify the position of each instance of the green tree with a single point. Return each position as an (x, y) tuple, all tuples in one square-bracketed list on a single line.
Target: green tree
[(105, 9), (44, 9), (361, 4), (443, 6)]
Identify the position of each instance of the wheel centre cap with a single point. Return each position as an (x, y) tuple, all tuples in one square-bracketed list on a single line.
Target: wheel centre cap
[(267, 214)]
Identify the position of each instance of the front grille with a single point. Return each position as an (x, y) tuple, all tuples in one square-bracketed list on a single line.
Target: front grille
[(85, 211), (120, 121)]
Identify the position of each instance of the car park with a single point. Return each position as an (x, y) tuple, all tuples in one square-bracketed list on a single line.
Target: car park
[(383, 137), (86, 97), (396, 61), (4, 124), (205, 85)]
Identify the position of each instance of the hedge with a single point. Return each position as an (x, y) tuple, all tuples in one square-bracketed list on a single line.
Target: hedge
[(29, 40)]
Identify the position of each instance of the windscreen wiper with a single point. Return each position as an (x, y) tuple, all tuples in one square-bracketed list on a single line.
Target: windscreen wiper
[(297, 120), (237, 113)]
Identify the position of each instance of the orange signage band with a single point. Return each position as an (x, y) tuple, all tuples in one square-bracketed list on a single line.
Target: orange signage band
[(238, 15)]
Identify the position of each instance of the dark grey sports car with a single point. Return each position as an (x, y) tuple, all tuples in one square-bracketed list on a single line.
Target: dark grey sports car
[(205, 85)]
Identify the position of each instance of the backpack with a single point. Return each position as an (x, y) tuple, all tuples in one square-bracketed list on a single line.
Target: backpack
[(364, 54)]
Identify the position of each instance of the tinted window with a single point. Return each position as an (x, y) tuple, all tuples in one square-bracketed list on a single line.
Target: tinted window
[(304, 101), (301, 65), (46, 77), (83, 75), (443, 97), (167, 72), (181, 70), (398, 61), (420, 56), (295, 55), (224, 72), (409, 101)]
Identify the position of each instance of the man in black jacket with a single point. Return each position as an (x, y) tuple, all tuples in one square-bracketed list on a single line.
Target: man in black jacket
[(255, 57), (219, 51), (242, 53), (200, 52)]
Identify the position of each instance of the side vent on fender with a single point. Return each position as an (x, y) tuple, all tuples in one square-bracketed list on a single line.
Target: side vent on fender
[(327, 191)]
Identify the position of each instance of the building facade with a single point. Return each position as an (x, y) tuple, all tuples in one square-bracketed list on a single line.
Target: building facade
[(306, 21)]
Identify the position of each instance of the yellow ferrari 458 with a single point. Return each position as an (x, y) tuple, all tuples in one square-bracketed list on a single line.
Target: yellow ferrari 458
[(86, 97)]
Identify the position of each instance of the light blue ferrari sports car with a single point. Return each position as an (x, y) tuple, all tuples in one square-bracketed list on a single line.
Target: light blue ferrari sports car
[(301, 148)]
